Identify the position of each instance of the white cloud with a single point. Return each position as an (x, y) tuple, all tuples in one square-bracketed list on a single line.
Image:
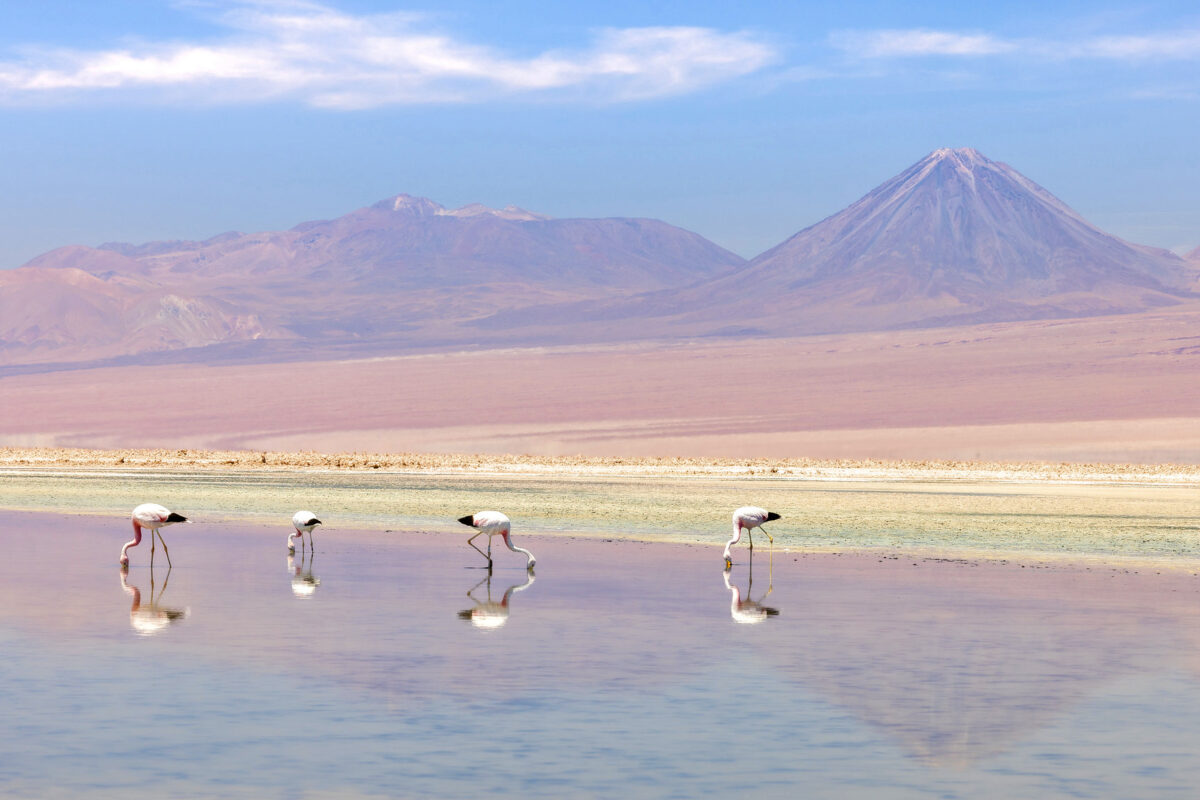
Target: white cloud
[(904, 43), (329, 58), (885, 44)]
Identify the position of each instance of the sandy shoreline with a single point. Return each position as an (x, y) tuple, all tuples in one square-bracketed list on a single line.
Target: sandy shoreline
[(33, 458)]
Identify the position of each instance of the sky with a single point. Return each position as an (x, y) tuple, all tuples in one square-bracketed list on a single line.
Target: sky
[(140, 120)]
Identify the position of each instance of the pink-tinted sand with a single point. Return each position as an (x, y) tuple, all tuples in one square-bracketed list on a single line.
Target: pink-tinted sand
[(1114, 388)]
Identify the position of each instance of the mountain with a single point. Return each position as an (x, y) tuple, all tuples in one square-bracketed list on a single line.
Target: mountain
[(954, 239), (403, 271), (49, 314)]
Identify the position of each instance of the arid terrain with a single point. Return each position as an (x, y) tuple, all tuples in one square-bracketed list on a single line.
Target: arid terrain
[(1117, 389)]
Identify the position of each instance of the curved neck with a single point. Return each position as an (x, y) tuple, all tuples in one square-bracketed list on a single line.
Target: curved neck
[(515, 549), (135, 541), (737, 535)]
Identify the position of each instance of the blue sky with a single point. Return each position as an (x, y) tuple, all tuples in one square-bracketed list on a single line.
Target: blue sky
[(136, 120)]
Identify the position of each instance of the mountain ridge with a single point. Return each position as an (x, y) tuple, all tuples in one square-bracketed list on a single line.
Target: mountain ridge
[(953, 239)]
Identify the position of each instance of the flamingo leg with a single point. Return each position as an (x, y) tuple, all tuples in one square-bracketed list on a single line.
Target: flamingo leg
[(770, 538), (164, 544), (487, 555), (750, 537)]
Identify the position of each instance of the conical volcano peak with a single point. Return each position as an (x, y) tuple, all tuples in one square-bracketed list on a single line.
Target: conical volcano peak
[(958, 237), (963, 155)]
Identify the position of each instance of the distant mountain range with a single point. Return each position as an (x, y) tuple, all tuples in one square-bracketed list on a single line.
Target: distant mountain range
[(954, 239)]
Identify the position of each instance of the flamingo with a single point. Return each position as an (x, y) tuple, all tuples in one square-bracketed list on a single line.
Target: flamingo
[(303, 522), (493, 523), (748, 517), (489, 614), (152, 516)]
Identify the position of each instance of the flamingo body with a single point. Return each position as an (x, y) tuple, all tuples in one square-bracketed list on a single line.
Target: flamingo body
[(746, 518), (493, 523), (150, 516), (303, 522)]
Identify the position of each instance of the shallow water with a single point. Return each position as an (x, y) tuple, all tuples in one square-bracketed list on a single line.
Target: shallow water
[(622, 669)]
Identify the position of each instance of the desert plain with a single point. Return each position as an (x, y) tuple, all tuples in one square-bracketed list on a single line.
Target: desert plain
[(1113, 389)]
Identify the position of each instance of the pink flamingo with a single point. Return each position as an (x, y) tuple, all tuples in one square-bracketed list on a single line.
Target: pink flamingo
[(748, 517), (152, 516), (493, 523), (303, 522)]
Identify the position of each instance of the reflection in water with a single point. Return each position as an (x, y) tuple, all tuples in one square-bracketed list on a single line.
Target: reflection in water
[(751, 610), (489, 614), (304, 583), (153, 617)]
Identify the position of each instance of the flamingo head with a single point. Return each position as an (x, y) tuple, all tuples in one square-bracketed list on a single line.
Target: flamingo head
[(125, 564)]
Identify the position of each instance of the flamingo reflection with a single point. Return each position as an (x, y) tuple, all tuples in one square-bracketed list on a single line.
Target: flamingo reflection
[(750, 610), (304, 583), (490, 614), (151, 618)]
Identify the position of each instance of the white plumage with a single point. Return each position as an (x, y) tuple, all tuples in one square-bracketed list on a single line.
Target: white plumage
[(748, 517), (493, 523), (151, 516), (303, 522)]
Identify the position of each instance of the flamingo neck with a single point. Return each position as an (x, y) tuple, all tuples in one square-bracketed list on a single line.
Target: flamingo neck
[(134, 542), (737, 536), (292, 539), (529, 560)]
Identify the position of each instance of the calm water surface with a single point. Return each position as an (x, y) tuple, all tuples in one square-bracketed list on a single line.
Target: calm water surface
[(618, 670)]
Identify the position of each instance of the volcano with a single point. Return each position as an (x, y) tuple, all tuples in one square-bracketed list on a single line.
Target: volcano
[(954, 239)]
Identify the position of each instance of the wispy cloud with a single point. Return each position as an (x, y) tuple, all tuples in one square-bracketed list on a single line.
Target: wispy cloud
[(328, 58), (913, 43), (920, 42)]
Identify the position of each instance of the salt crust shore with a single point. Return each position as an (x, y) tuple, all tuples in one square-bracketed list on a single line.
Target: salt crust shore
[(549, 466)]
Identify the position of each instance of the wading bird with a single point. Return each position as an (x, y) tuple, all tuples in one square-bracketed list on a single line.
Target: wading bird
[(303, 522), (748, 517), (492, 523), (152, 516)]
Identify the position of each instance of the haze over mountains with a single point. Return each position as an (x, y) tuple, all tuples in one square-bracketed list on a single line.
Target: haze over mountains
[(954, 239)]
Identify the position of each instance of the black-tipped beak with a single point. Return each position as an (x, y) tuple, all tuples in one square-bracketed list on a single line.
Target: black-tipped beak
[(772, 515), (173, 517), (468, 520)]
